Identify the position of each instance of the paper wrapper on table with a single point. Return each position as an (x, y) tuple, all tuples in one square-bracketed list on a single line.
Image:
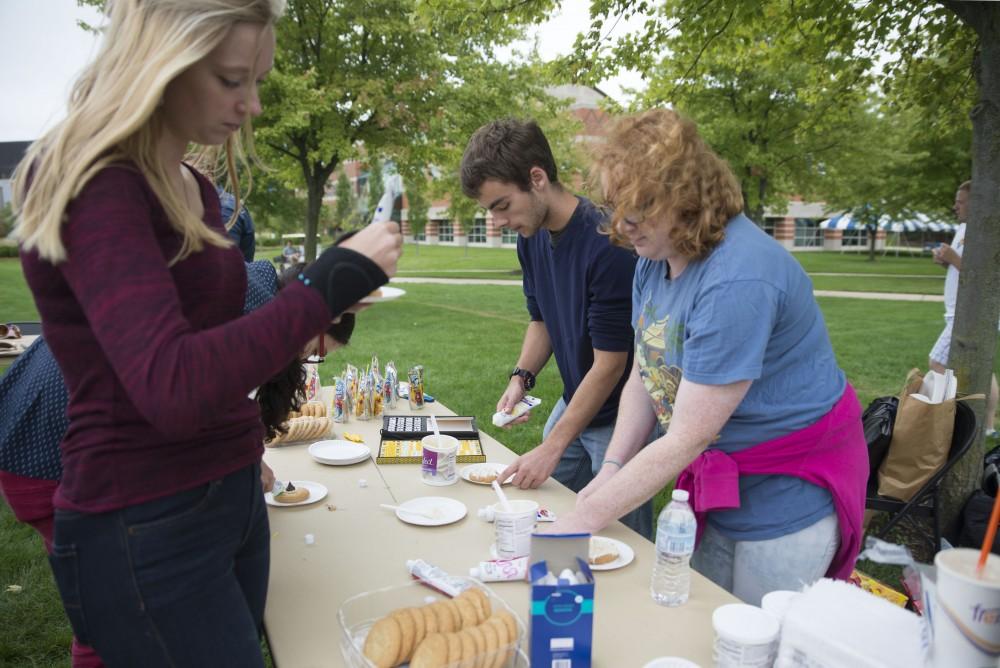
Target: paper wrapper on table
[(921, 435), (562, 615), (359, 613), (835, 624), (401, 434)]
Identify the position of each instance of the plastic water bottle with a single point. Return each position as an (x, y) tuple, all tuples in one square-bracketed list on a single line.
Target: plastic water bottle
[(675, 533)]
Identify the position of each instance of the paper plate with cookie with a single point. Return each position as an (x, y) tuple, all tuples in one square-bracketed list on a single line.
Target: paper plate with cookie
[(384, 294), (607, 554), (295, 493), (484, 473)]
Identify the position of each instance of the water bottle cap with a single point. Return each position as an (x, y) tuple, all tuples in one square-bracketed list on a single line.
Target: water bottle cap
[(680, 495)]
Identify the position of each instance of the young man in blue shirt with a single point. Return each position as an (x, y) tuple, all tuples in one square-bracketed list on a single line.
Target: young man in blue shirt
[(578, 292)]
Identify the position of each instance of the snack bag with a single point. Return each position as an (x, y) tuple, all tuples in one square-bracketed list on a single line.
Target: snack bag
[(341, 410), (390, 386)]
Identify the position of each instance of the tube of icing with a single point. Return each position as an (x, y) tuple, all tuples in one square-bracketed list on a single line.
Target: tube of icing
[(501, 570), (436, 578)]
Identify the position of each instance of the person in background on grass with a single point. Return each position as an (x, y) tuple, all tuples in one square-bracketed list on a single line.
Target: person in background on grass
[(949, 256), (577, 291), (161, 544), (733, 359)]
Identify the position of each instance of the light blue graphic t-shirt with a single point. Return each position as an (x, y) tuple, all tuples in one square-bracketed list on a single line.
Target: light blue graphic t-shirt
[(745, 312)]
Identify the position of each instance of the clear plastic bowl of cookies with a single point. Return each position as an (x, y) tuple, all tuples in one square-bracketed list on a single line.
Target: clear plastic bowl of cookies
[(394, 627)]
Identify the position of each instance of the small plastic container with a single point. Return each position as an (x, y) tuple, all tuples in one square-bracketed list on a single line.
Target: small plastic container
[(358, 613), (671, 662), (776, 603), (437, 465), (745, 637)]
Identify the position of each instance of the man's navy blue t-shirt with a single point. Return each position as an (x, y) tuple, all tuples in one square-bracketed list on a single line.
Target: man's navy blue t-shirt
[(581, 289)]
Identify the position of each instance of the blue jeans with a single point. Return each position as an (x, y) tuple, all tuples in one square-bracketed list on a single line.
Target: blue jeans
[(751, 568), (584, 458), (177, 581)]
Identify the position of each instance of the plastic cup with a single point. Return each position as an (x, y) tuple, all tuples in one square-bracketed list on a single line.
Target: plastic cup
[(776, 603), (437, 465), (745, 637), (513, 528), (670, 662), (966, 610)]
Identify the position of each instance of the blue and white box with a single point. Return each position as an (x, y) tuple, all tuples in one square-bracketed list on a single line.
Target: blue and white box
[(562, 609)]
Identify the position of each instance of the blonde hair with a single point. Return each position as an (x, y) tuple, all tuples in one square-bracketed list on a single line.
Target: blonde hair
[(656, 165), (112, 116)]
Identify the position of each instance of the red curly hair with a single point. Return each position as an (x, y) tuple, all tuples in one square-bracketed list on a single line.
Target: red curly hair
[(657, 166)]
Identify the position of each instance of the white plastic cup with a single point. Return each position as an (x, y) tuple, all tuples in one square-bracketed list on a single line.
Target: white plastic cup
[(776, 603), (745, 637), (437, 465), (966, 613), (513, 528), (670, 662)]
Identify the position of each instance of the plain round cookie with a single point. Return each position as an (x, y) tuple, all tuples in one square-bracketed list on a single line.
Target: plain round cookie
[(382, 643), (431, 653), (407, 635), (419, 630)]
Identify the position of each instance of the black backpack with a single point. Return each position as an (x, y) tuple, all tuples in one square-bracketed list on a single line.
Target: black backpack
[(877, 421)]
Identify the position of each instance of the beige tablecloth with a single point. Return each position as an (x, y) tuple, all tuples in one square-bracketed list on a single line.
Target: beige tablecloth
[(360, 547)]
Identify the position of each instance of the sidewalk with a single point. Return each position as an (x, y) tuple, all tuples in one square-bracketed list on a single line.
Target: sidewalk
[(885, 296)]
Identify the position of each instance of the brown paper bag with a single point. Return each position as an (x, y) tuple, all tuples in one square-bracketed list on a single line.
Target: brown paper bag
[(921, 440)]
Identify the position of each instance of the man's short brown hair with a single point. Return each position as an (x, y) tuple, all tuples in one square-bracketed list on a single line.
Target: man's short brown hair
[(506, 150)]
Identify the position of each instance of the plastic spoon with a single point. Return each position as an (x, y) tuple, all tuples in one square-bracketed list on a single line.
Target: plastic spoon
[(437, 434), (422, 513), (503, 497)]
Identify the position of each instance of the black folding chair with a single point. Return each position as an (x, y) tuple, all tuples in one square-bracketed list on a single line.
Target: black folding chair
[(926, 500)]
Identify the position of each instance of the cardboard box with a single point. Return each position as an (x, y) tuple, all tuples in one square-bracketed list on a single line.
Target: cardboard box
[(562, 615), (401, 434)]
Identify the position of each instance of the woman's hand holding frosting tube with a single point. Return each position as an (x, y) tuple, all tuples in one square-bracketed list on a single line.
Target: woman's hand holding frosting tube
[(361, 263)]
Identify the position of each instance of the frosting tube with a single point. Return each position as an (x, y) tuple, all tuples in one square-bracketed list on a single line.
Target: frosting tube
[(435, 578), (501, 570)]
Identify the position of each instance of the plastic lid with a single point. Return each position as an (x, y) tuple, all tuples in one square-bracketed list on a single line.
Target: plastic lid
[(745, 624), (670, 662), (680, 495), (776, 602)]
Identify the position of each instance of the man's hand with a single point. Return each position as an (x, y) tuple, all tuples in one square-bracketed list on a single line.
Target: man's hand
[(532, 468), (513, 394), (945, 255)]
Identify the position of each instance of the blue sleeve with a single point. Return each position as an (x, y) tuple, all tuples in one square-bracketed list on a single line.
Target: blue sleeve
[(262, 284), (727, 332), (248, 237), (528, 283), (610, 286), (642, 271)]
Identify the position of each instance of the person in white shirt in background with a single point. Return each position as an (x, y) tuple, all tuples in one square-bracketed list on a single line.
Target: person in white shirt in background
[(950, 257)]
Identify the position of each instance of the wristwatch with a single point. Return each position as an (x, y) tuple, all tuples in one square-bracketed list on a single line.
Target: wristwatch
[(527, 376)]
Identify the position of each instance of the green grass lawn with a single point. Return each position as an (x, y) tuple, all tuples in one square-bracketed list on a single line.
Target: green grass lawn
[(467, 338)]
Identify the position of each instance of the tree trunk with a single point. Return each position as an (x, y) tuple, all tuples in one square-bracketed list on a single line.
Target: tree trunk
[(316, 180), (974, 337)]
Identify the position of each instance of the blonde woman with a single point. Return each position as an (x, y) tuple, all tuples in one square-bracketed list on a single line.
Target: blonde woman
[(732, 358), (161, 542)]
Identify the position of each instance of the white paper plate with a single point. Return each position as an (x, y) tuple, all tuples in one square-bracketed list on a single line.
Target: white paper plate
[(435, 511), (338, 452), (483, 468), (625, 556), (388, 294), (317, 492)]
